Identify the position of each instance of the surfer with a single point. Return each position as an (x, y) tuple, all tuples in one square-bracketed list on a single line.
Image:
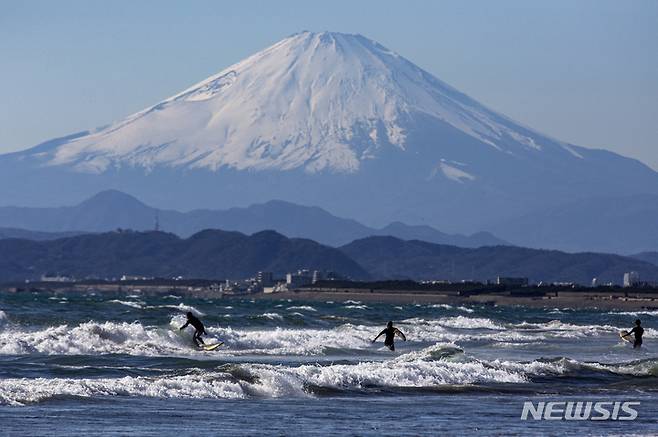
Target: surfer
[(198, 326), (637, 331), (390, 333)]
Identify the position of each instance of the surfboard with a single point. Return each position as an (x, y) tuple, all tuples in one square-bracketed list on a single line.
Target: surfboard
[(211, 347), (624, 336)]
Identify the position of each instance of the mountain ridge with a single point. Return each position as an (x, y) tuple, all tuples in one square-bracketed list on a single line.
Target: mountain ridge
[(209, 254), (213, 254), (392, 258), (112, 209)]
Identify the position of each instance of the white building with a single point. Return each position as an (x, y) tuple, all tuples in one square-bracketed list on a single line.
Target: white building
[(631, 279), (266, 279), (55, 278), (302, 277)]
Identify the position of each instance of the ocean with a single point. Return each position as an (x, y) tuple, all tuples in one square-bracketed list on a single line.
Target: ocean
[(102, 364)]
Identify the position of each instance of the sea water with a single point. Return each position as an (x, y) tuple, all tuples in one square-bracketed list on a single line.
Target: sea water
[(99, 364)]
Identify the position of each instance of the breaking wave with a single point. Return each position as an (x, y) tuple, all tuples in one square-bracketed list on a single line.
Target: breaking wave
[(302, 308), (150, 340), (439, 367), (138, 305)]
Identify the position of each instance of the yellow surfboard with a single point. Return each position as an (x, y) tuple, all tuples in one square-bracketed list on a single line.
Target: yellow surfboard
[(211, 347), (624, 335)]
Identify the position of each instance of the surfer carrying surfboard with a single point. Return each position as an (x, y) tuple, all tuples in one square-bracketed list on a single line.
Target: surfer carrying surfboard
[(637, 331), (390, 333), (198, 326)]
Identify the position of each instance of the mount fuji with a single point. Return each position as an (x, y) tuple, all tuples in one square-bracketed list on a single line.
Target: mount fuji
[(327, 119)]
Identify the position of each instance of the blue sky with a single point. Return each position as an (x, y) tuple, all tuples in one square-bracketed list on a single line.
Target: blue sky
[(582, 71)]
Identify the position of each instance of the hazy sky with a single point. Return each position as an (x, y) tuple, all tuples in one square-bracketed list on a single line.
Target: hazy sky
[(582, 71)]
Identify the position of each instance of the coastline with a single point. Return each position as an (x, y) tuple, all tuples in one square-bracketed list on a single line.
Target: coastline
[(604, 299), (563, 300)]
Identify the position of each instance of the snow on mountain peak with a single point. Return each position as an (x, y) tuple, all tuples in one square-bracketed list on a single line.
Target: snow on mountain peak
[(318, 101)]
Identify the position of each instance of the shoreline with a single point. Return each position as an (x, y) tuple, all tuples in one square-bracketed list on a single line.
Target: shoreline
[(628, 300), (604, 302)]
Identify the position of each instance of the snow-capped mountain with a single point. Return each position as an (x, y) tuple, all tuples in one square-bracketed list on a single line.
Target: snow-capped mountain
[(319, 101), (333, 120)]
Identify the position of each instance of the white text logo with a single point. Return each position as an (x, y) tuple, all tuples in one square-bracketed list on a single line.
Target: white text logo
[(599, 410)]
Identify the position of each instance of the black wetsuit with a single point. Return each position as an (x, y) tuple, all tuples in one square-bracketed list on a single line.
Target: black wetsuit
[(638, 331), (389, 341), (198, 326)]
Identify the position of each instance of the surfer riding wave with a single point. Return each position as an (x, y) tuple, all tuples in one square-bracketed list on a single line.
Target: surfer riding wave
[(198, 326)]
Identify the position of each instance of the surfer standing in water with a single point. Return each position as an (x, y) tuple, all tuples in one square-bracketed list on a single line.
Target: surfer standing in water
[(637, 331), (198, 326), (390, 333)]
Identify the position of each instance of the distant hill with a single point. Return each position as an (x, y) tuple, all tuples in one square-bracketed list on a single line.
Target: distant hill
[(111, 209), (431, 235), (623, 225), (214, 254), (650, 257), (208, 254), (35, 235), (392, 258)]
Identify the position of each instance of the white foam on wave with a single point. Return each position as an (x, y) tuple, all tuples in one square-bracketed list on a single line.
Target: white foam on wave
[(647, 367), (470, 323), (558, 328), (537, 367), (445, 306), (3, 318), (416, 369), (272, 316), (302, 308), (356, 307), (137, 339), (436, 366), (635, 313), (281, 341), (403, 372), (524, 330), (561, 366), (569, 330), (515, 345), (461, 322), (92, 338), (138, 305), (460, 329), (26, 391)]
